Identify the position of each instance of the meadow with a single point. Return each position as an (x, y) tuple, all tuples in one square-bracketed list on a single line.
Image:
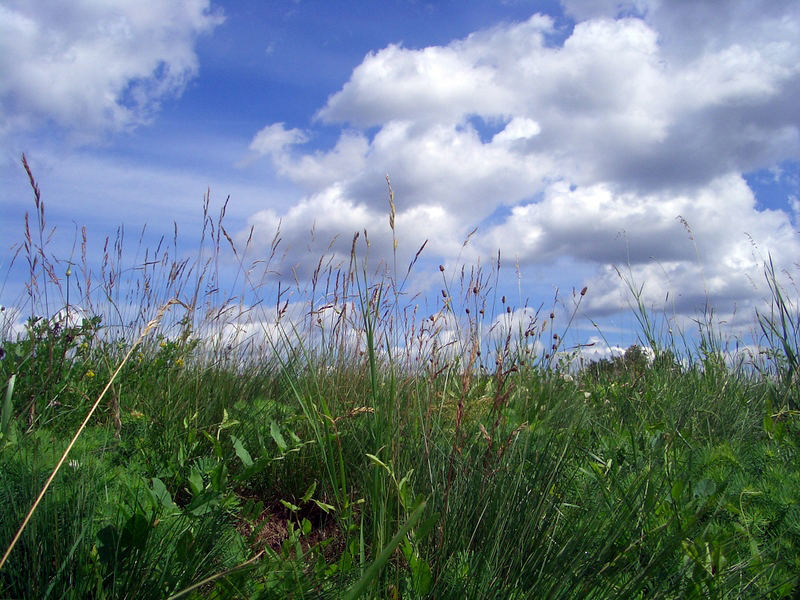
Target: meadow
[(335, 440)]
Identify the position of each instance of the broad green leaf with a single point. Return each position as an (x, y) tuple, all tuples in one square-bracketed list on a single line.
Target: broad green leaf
[(276, 435), (324, 506), (421, 575), (161, 494), (219, 477), (404, 490), (677, 490), (195, 480), (203, 503), (8, 407), (241, 452), (214, 442), (378, 462), (309, 492), (290, 506)]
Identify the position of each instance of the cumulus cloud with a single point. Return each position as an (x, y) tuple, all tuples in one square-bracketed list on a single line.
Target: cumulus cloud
[(625, 144), (273, 139), (94, 67)]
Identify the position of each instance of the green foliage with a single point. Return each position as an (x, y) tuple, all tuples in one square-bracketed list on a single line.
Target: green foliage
[(322, 465), (55, 367)]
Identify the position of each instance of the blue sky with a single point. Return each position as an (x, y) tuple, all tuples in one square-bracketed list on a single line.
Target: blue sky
[(575, 135)]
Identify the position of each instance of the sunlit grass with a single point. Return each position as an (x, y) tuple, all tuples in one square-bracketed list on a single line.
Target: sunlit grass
[(343, 444)]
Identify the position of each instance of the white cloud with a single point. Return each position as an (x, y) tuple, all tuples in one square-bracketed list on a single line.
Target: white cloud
[(93, 67), (594, 149), (273, 139)]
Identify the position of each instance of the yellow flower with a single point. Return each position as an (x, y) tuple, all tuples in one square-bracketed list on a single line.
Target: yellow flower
[(89, 373), (179, 362)]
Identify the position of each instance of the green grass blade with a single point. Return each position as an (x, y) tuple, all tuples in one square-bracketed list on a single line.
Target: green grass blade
[(372, 571), (8, 407)]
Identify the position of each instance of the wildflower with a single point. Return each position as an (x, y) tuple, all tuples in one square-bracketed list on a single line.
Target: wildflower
[(179, 362), (90, 374)]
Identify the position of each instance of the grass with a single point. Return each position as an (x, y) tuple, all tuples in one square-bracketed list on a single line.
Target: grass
[(341, 443)]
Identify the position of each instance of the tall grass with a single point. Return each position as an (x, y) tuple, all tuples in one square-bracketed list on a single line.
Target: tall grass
[(334, 438)]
